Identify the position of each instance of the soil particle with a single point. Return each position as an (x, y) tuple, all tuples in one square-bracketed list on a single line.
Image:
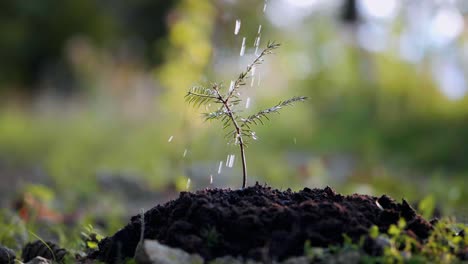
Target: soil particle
[(261, 223)]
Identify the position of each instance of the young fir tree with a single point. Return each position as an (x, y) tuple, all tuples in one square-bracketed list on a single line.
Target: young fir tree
[(240, 128)]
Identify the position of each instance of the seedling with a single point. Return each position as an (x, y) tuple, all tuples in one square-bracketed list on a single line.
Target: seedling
[(240, 128)]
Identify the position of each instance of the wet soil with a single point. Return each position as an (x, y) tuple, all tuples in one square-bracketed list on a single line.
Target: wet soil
[(261, 223)]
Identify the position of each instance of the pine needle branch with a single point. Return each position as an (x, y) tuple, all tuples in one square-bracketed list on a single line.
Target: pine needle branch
[(239, 129), (201, 95), (244, 75), (215, 115), (263, 115)]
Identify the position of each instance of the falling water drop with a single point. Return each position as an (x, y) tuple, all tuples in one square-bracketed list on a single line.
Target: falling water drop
[(231, 160), (185, 153), (247, 103), (242, 51), (237, 27), (220, 167), (259, 29), (211, 178), (170, 138), (188, 184), (264, 6), (257, 41)]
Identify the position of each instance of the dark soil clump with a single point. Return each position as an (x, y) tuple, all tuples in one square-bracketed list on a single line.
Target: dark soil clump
[(261, 223)]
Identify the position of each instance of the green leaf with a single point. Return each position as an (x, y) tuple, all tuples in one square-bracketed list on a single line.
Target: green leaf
[(374, 232), (426, 206), (393, 230)]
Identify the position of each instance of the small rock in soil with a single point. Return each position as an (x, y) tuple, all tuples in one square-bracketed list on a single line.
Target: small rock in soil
[(152, 252), (39, 260), (260, 223), (7, 255), (47, 250)]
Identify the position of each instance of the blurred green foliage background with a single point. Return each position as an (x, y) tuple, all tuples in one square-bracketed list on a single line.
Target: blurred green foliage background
[(97, 87)]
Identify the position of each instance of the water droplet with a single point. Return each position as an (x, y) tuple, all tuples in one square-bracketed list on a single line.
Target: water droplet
[(231, 160), (257, 41), (211, 178), (237, 27), (264, 6), (259, 29), (185, 153), (247, 103), (220, 167), (242, 51), (227, 159), (188, 184), (231, 86), (254, 136), (170, 138)]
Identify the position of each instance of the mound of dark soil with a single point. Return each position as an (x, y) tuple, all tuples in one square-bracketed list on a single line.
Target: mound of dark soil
[(260, 223)]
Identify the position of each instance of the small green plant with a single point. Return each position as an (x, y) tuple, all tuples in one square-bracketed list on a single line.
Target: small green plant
[(90, 237), (240, 128)]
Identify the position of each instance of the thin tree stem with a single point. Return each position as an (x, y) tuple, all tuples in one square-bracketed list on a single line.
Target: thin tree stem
[(237, 135), (244, 163)]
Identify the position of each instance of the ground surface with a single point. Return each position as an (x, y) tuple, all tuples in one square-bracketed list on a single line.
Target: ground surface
[(261, 223)]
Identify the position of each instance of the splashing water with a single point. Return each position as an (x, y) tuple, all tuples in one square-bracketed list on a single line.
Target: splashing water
[(220, 167), (188, 184), (237, 27), (231, 160), (247, 103), (185, 153), (170, 138), (242, 51)]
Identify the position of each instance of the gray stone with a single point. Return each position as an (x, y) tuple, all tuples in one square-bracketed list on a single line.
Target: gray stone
[(152, 252), (39, 260), (7, 255)]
